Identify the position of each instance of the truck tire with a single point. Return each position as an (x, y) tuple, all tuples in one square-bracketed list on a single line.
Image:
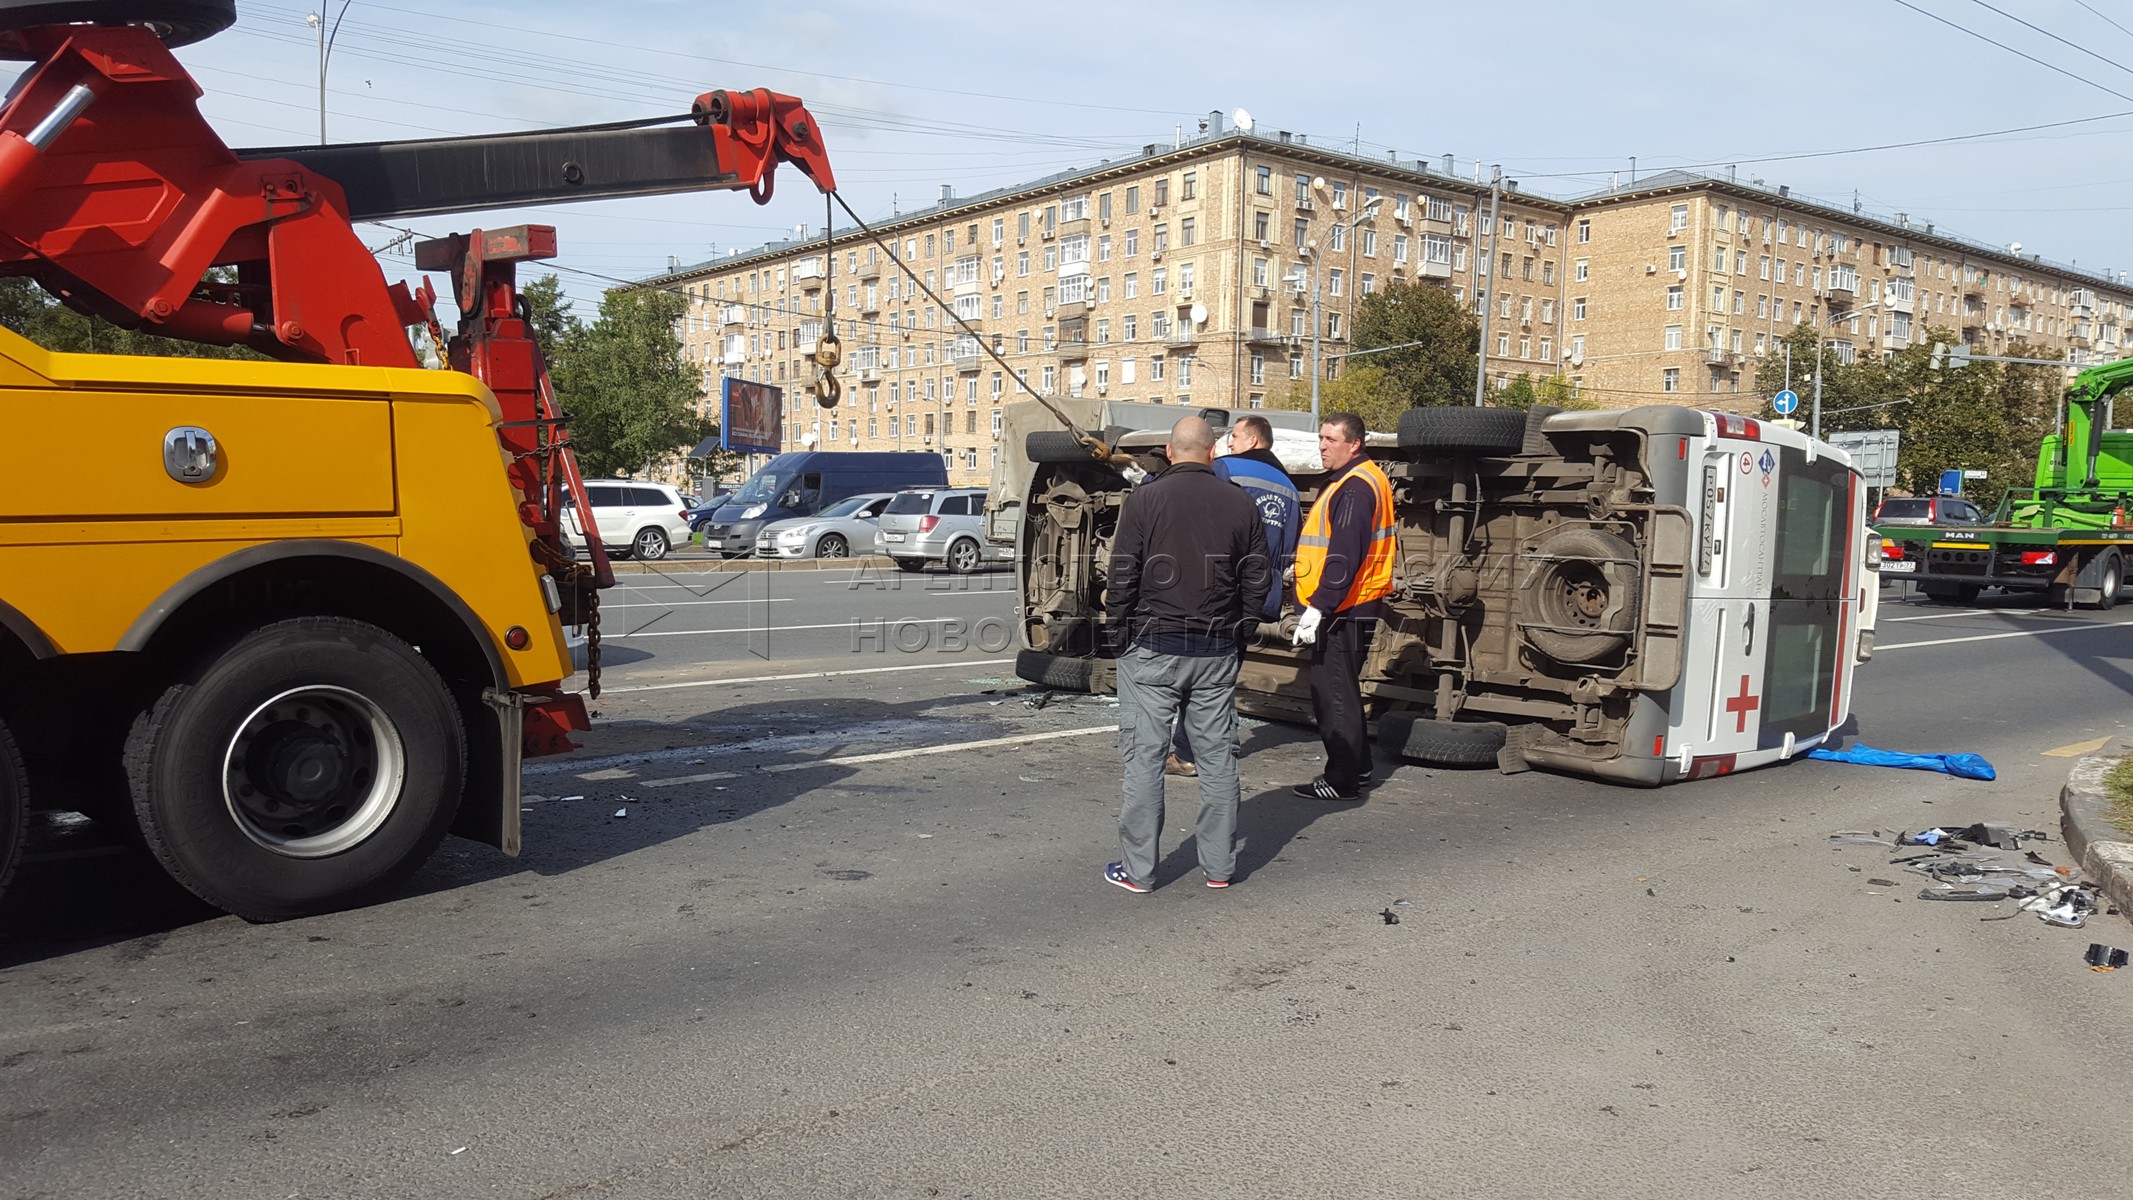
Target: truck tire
[(1055, 446), (1463, 430), (1442, 743), (14, 807), (177, 22), (1537, 442), (2112, 577), (311, 766), (1056, 671), (1589, 584)]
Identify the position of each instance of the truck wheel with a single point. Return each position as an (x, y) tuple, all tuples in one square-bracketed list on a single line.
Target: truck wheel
[(1443, 743), (1588, 591), (964, 556), (833, 545), (177, 22), (2107, 588), (650, 544), (311, 766), (1464, 430), (14, 807), (1054, 446), (1056, 671)]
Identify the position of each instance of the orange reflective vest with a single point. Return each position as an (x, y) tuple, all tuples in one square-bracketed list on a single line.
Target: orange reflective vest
[(1373, 576)]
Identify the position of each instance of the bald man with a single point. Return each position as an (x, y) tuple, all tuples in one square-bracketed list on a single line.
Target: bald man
[(1189, 568)]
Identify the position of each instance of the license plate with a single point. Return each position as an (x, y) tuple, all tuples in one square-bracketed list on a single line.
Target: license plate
[(1900, 568), (892, 537), (712, 543)]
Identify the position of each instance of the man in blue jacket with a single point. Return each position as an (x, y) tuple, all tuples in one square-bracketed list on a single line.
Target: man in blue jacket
[(1251, 465)]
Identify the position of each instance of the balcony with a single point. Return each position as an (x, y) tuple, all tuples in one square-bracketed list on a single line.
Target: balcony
[(733, 314), (808, 274), (1262, 336), (1183, 334), (1435, 270), (1718, 356), (868, 271), (1843, 290), (1073, 349), (1974, 287)]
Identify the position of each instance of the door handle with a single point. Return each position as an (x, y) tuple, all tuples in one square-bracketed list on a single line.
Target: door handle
[(1747, 633)]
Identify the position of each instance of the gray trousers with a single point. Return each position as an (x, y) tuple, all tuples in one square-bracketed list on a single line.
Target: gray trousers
[(1202, 693)]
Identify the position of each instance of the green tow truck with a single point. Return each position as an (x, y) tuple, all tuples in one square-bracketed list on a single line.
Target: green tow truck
[(2067, 536)]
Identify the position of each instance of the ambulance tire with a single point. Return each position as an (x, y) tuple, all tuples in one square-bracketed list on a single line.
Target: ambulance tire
[(1054, 446), (14, 807), (1579, 563), (1463, 430), (177, 22), (1418, 738), (1536, 441), (1056, 671)]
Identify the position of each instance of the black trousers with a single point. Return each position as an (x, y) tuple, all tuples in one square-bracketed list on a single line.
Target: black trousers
[(1337, 699)]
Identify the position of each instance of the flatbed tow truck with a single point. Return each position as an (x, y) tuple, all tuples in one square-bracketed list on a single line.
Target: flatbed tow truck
[(2068, 536)]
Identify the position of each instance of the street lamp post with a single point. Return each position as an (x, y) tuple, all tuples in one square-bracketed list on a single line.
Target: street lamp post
[(1821, 330), (1486, 268), (1369, 211), (326, 37)]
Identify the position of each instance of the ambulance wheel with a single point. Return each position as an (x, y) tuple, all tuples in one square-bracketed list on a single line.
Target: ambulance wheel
[(1537, 442), (1441, 743), (14, 807), (310, 766), (1587, 594), (177, 22), (1055, 446), (1464, 430), (1056, 671)]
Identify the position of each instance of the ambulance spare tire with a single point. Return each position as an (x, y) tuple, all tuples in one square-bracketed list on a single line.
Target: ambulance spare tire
[(1464, 430), (1587, 594), (177, 22), (14, 807), (1055, 446), (1419, 738), (1536, 441), (1056, 671)]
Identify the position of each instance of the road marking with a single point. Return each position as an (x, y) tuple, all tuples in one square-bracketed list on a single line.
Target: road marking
[(856, 622), (1942, 616), (2078, 748), (1993, 637), (853, 760), (696, 683), (682, 603)]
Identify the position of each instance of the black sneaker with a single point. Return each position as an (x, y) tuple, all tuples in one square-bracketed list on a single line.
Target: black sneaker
[(1319, 789)]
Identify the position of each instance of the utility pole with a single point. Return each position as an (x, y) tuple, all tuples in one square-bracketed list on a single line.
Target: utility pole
[(1488, 298), (1317, 322), (326, 38)]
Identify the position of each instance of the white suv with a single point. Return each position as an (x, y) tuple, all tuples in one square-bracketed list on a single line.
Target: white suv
[(635, 517)]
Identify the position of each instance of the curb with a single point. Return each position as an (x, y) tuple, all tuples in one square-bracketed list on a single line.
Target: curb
[(2105, 854)]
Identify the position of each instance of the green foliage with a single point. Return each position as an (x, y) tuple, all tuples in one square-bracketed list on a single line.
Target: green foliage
[(1991, 416), (1369, 392), (631, 397), (29, 311), (1436, 336), (1555, 391)]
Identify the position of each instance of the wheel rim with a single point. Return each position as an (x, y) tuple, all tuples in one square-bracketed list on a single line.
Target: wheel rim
[(832, 547), (651, 544), (1578, 597), (965, 556), (313, 772)]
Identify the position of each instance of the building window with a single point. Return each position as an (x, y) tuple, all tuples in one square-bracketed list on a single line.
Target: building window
[(1670, 379), (1264, 183), (1673, 297), (1133, 199), (1188, 228), (1673, 337), (1133, 242), (1577, 309), (1189, 186), (1258, 367), (1584, 230), (1677, 258), (1679, 219)]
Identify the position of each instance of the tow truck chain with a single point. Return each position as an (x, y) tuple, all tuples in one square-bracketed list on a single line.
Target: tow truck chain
[(576, 578)]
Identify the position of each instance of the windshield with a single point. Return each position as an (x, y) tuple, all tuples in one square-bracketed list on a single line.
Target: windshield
[(761, 489), (907, 503), (845, 508)]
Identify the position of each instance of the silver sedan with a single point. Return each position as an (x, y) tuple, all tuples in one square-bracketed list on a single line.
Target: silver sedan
[(839, 531)]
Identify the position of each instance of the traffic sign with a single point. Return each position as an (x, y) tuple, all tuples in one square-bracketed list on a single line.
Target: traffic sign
[(1784, 402)]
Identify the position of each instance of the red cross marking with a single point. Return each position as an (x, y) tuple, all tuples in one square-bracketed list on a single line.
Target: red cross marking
[(1740, 706)]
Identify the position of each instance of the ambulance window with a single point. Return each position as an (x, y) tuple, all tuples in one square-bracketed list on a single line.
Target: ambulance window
[(1806, 598)]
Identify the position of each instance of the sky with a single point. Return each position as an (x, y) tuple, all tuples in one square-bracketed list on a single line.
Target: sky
[(1815, 94)]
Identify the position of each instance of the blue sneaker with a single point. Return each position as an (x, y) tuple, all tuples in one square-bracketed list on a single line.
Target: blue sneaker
[(1116, 873)]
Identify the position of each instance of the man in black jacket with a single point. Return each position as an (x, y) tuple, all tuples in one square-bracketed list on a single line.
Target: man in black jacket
[(1189, 566)]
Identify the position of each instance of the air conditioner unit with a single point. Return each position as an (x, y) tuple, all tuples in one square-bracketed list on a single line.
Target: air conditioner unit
[(1405, 219), (1305, 204), (1184, 291), (1155, 256), (1153, 213), (1264, 244), (1101, 388), (1651, 268), (1049, 234)]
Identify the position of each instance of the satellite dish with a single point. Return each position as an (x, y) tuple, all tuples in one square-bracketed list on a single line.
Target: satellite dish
[(1242, 120), (1199, 314), (808, 439)]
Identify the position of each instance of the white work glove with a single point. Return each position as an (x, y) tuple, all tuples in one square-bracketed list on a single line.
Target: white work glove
[(1306, 628), (1134, 475)]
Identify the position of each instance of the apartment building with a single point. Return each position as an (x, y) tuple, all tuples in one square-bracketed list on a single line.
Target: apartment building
[(1680, 284), (1186, 275)]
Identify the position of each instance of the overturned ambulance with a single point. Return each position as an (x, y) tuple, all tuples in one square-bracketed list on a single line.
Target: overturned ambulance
[(1642, 596)]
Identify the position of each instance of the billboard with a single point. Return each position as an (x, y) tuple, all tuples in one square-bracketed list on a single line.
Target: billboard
[(751, 418)]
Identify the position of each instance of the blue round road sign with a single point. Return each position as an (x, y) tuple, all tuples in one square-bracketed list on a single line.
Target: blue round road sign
[(1785, 402)]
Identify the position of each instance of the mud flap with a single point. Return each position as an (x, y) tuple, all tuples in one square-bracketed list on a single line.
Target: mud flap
[(489, 811)]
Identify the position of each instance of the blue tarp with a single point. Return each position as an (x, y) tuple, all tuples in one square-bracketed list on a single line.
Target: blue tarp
[(1963, 766)]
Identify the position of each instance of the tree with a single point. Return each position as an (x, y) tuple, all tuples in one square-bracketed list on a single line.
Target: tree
[(29, 311), (1369, 392), (1552, 391), (631, 397), (1437, 340)]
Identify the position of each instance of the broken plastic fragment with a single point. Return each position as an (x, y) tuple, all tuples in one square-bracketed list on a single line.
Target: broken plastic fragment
[(2104, 958), (622, 812)]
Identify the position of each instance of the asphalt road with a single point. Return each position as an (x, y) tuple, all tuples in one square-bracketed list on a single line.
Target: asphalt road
[(850, 940)]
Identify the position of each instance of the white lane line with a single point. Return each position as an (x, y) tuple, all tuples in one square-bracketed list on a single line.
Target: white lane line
[(1942, 616), (887, 623), (853, 760), (697, 683), (1993, 637), (684, 603)]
